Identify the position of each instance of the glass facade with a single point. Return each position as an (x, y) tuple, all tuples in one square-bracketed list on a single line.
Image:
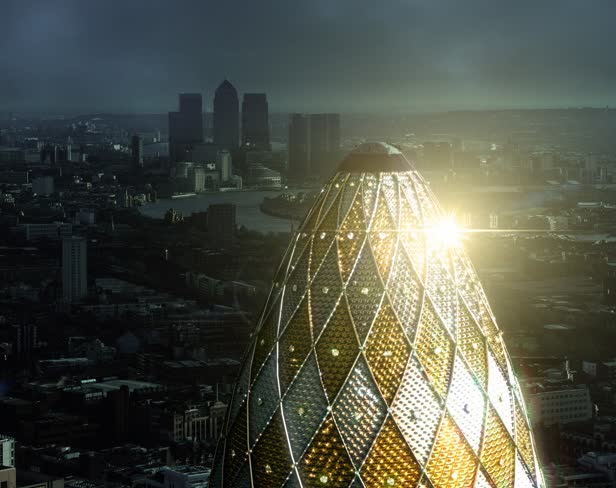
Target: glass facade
[(377, 361)]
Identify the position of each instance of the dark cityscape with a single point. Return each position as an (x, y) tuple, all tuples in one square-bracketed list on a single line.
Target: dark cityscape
[(307, 244)]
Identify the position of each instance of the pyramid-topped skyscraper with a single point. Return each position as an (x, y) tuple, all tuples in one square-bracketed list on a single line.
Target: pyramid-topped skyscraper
[(377, 361)]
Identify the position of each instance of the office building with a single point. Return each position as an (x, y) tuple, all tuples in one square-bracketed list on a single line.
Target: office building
[(223, 163), (221, 225), (324, 143), (136, 148), (8, 477), (353, 383), (74, 269), (255, 121), (185, 126), (179, 477), (274, 160), (226, 116), (53, 230), (260, 176), (299, 147), (560, 403), (7, 451), (314, 145)]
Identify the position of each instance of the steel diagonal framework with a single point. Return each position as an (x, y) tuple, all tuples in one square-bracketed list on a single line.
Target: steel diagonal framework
[(377, 360)]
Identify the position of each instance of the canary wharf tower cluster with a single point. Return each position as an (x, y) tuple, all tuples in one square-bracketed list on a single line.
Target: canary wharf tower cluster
[(377, 361)]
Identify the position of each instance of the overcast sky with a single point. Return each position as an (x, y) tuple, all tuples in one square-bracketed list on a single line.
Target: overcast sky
[(308, 55)]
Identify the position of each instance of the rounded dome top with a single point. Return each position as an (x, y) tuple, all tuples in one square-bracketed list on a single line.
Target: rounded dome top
[(376, 147), (375, 157)]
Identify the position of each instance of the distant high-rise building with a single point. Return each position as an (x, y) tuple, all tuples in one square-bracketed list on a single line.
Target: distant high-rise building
[(314, 143), (255, 121), (25, 340), (185, 126), (136, 146), (69, 148), (226, 116), (74, 269), (299, 147), (324, 143), (221, 225), (223, 162), (377, 361), (7, 452)]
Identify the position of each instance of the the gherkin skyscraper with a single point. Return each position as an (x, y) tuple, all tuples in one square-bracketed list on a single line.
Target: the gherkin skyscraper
[(377, 361)]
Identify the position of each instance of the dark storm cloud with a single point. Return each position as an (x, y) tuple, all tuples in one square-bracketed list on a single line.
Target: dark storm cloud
[(350, 55)]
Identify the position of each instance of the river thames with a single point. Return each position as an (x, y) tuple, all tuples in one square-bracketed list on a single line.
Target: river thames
[(247, 203)]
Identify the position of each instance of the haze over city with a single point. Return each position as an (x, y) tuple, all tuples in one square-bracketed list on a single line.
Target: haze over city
[(356, 56)]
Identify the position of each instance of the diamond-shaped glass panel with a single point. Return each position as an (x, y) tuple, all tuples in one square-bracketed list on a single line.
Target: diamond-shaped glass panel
[(329, 210), (522, 478), (466, 403), (336, 350), (242, 387), (294, 346), (383, 238), (472, 345), (270, 460), (389, 189), (412, 238), (405, 294), (442, 291), (523, 439), (322, 242), (500, 394), (293, 481), (390, 461), (383, 245), (242, 480), (434, 349), (351, 190), (266, 339), (387, 352), (359, 412), (364, 292), (426, 201), (236, 449), (324, 293), (326, 462), (452, 463), (263, 399), (481, 481), (498, 453), (305, 407), (417, 411), (408, 195), (295, 288), (369, 188)]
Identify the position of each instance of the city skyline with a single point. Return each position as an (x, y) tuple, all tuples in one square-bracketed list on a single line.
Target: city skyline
[(346, 244), (411, 56)]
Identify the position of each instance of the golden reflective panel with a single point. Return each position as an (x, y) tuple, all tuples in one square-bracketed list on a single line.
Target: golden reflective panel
[(326, 461), (387, 352), (452, 463), (377, 361), (390, 462)]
